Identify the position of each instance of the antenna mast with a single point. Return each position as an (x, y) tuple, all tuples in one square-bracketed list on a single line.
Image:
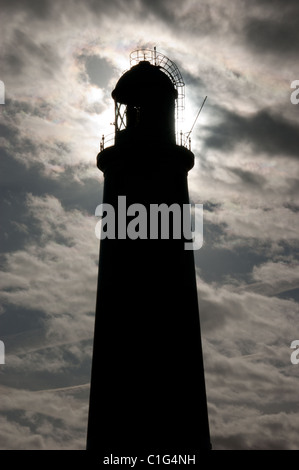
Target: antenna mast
[(188, 135)]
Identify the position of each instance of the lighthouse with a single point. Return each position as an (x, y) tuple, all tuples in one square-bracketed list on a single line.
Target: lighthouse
[(148, 390)]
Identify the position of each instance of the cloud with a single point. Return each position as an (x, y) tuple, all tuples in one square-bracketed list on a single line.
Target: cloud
[(263, 131), (76, 187), (47, 326), (64, 249), (42, 420), (98, 69), (275, 278), (275, 223), (273, 28), (34, 7), (249, 178), (23, 53), (272, 36), (246, 344)]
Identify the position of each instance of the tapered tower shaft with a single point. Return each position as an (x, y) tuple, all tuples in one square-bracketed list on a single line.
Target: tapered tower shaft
[(147, 386)]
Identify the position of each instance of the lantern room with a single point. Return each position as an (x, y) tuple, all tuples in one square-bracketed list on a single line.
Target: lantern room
[(147, 99)]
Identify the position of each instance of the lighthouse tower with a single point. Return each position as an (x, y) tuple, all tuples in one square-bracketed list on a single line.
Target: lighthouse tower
[(147, 382)]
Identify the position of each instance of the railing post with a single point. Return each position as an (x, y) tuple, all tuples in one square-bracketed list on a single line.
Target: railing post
[(102, 144)]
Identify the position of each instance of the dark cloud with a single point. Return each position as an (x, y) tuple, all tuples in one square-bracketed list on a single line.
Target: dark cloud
[(293, 190), (24, 52), (14, 62), (211, 206), (192, 81), (292, 294), (292, 206), (16, 320), (263, 131), (8, 132), (278, 36), (219, 264), (41, 10), (163, 10), (17, 180), (248, 178), (53, 366), (278, 4), (13, 108), (273, 28), (98, 69)]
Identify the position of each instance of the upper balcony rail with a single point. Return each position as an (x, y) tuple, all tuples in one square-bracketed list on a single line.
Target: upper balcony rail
[(182, 138)]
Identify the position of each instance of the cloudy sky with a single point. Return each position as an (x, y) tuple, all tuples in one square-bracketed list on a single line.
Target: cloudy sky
[(59, 61)]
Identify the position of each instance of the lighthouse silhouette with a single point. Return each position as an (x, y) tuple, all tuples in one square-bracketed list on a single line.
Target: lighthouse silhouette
[(147, 380)]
